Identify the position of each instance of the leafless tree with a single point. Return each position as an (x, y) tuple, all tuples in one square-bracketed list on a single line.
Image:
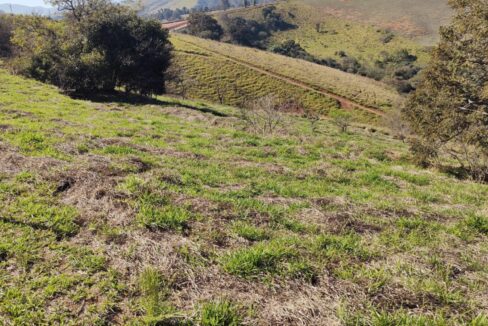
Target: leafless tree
[(264, 115), (397, 124)]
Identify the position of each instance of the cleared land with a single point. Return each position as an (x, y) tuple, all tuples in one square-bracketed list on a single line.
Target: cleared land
[(119, 212)]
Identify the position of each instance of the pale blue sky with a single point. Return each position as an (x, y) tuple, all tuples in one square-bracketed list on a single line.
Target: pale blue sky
[(32, 3)]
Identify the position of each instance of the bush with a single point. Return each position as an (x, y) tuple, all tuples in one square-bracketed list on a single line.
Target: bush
[(245, 32), (264, 115), (204, 26), (292, 49), (6, 29), (342, 119), (449, 108)]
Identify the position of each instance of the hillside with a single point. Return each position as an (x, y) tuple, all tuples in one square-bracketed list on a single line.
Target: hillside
[(123, 211), (325, 34), (152, 6), (27, 10), (415, 18), (244, 73)]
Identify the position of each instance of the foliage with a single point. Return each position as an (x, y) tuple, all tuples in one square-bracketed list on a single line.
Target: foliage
[(204, 26), (6, 29), (292, 49), (220, 313), (250, 32), (167, 14), (297, 30), (450, 108), (97, 47)]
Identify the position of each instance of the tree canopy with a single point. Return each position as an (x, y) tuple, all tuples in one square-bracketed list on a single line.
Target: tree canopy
[(97, 46), (449, 110)]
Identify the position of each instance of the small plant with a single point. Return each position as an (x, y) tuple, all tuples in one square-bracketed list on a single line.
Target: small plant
[(153, 290), (250, 232), (262, 258), (264, 116), (166, 218), (397, 124), (220, 313), (341, 119)]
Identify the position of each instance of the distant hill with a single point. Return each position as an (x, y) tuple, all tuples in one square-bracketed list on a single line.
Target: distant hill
[(27, 10), (152, 6), (149, 7), (416, 18)]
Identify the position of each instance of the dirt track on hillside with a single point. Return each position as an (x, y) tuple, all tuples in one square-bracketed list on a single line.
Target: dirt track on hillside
[(344, 102)]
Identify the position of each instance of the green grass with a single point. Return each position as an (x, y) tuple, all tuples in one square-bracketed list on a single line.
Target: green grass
[(339, 31), (416, 19), (220, 313), (210, 68), (170, 205)]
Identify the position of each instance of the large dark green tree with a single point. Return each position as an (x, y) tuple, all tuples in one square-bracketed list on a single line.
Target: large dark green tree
[(97, 47), (6, 29), (205, 26), (449, 110)]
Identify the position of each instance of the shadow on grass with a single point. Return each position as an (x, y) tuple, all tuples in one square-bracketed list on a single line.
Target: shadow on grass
[(461, 173), (133, 99)]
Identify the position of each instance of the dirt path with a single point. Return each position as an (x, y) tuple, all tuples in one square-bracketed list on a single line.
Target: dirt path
[(343, 101)]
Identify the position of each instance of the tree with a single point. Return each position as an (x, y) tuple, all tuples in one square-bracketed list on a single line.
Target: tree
[(96, 49), (204, 26), (245, 32), (6, 30), (292, 49), (449, 110)]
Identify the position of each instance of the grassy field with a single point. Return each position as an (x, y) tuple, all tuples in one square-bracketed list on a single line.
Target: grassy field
[(358, 39), (119, 211), (250, 73), (414, 18)]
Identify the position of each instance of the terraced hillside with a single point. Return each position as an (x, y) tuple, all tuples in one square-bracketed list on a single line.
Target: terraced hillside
[(122, 211), (249, 73)]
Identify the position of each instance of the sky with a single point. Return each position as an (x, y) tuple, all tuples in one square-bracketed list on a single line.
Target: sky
[(32, 3)]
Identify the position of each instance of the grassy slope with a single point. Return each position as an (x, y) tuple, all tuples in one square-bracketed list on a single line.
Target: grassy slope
[(415, 18), (114, 212), (357, 39), (206, 64)]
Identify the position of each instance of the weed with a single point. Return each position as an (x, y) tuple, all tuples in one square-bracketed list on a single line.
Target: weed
[(220, 313)]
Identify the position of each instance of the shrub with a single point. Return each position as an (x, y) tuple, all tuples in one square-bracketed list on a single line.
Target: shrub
[(6, 30), (292, 49), (204, 26), (449, 108), (219, 313), (264, 115), (342, 119), (397, 124)]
